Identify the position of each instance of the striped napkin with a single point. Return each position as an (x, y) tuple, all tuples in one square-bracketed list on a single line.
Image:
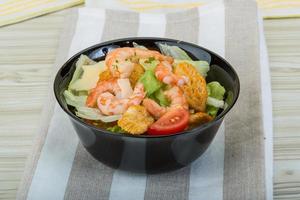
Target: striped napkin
[(12, 11), (237, 165)]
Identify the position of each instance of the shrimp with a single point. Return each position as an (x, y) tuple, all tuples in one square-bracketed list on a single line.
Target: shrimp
[(137, 96), (109, 104), (120, 61), (175, 95), (163, 72), (110, 86), (153, 108)]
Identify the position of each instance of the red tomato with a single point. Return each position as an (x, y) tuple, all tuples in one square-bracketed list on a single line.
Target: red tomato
[(173, 121)]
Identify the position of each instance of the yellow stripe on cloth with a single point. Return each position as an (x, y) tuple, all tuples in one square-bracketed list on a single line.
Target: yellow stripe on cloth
[(152, 5), (278, 4), (12, 11), (168, 6), (270, 8)]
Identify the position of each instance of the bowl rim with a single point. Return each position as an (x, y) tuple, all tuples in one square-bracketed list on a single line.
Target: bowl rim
[(103, 131)]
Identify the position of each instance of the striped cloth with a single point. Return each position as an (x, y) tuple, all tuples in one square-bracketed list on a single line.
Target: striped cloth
[(237, 165), (12, 11)]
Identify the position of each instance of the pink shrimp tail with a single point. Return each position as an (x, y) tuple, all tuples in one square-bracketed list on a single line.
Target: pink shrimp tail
[(163, 72), (153, 108)]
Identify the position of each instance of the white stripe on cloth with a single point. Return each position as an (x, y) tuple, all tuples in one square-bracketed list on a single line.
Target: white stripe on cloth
[(206, 178), (129, 186), (266, 95), (152, 25), (212, 28), (88, 31), (56, 159), (126, 185)]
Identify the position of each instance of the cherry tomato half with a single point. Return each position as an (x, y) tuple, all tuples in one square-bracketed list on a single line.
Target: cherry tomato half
[(173, 121)]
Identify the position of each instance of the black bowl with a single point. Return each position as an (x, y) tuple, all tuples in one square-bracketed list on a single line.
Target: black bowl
[(151, 154)]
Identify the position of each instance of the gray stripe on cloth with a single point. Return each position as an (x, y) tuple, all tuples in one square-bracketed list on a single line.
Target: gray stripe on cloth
[(48, 108), (183, 25), (172, 185), (89, 178), (244, 175), (95, 183), (120, 24), (175, 185)]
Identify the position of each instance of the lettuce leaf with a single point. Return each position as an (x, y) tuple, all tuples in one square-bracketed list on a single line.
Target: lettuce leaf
[(173, 51), (116, 129), (136, 45), (149, 64), (85, 112), (95, 114), (82, 60), (215, 102), (211, 110), (215, 97), (160, 98), (215, 90), (76, 101), (151, 84)]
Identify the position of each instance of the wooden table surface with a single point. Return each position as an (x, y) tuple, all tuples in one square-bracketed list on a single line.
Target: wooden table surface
[(27, 53)]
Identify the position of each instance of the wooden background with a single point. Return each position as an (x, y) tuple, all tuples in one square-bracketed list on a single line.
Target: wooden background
[(27, 53)]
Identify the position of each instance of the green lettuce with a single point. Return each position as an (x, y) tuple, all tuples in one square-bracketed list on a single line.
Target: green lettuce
[(136, 45), (160, 98), (215, 97), (173, 51), (73, 100), (215, 90), (82, 60), (149, 64), (116, 129), (151, 84), (95, 114)]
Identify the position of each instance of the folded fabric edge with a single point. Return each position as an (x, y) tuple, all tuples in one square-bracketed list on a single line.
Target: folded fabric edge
[(288, 16), (280, 13), (47, 111), (266, 109), (39, 13)]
